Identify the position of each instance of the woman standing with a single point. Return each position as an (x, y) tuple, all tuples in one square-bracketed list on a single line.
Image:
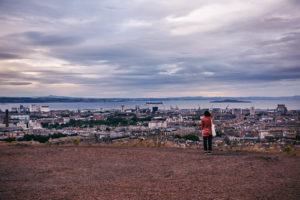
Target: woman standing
[(206, 132)]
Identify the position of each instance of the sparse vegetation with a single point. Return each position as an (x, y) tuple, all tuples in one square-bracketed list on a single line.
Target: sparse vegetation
[(38, 138), (77, 141), (188, 137), (48, 143), (288, 149)]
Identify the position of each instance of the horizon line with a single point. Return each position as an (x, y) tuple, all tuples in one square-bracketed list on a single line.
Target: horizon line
[(55, 96)]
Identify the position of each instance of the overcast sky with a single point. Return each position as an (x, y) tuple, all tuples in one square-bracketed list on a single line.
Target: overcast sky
[(155, 48)]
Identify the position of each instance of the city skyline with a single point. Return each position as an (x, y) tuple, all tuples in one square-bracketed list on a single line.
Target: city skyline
[(110, 49)]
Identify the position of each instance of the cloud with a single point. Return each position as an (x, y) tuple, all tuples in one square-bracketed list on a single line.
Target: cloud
[(19, 83), (42, 39), (141, 48), (15, 83), (136, 23), (6, 56)]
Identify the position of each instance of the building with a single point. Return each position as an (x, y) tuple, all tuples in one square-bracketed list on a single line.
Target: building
[(266, 118), (154, 109), (236, 111), (281, 108), (22, 109), (34, 108), (20, 117), (137, 108), (6, 119), (263, 133), (157, 124), (289, 134), (14, 109), (245, 111), (122, 108), (33, 124), (215, 110), (252, 111), (45, 109), (23, 125)]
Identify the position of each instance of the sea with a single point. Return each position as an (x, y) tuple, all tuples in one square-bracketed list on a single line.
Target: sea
[(181, 104)]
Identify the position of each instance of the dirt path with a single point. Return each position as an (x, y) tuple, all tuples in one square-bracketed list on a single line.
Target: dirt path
[(145, 173)]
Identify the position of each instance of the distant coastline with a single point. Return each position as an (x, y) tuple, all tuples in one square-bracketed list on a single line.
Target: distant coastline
[(292, 104), (154, 102), (230, 101)]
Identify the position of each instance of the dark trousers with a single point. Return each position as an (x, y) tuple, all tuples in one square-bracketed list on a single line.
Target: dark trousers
[(207, 140)]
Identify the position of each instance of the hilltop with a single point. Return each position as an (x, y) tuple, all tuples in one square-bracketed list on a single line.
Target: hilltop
[(94, 172)]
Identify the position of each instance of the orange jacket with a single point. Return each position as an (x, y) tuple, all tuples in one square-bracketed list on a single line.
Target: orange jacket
[(206, 126)]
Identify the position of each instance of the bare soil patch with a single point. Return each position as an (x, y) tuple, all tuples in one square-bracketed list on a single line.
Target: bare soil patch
[(93, 172)]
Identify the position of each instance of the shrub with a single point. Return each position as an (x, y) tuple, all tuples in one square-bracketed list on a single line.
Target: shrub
[(43, 138), (177, 136), (288, 149), (48, 143), (77, 141), (58, 135), (39, 138), (191, 137), (9, 139)]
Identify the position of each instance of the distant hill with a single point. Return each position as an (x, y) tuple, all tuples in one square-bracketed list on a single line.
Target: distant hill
[(230, 101), (56, 99)]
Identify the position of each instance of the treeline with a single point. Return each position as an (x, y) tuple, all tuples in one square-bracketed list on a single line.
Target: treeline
[(38, 138), (111, 121)]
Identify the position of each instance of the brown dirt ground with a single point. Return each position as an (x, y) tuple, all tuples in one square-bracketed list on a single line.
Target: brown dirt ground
[(93, 172)]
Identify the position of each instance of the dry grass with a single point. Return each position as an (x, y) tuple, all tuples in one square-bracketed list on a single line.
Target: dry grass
[(258, 147)]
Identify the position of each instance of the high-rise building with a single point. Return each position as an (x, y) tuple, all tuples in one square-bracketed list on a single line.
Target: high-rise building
[(236, 111), (245, 111), (122, 108), (281, 108), (6, 118), (154, 109), (252, 111)]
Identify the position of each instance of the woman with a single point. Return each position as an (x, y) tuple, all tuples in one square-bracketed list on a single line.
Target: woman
[(206, 132)]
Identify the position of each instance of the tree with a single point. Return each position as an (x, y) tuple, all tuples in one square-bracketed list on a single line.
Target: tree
[(191, 137)]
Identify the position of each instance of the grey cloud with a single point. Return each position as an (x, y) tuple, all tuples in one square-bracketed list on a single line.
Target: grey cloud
[(29, 8), (257, 49), (44, 39), (15, 83), (19, 83), (5, 56)]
